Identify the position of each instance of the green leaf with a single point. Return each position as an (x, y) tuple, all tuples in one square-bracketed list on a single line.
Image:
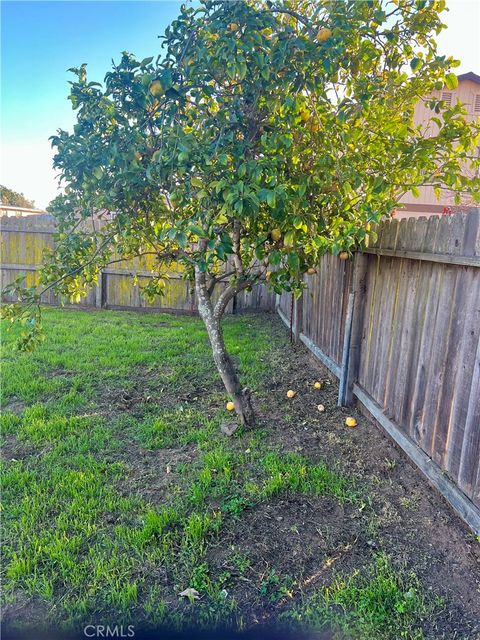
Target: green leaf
[(166, 78), (289, 239), (293, 261), (271, 199), (265, 73), (451, 81), (274, 258), (242, 70), (196, 182), (415, 64), (259, 252), (197, 230)]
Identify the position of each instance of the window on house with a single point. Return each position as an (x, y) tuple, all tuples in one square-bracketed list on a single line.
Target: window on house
[(447, 98), (476, 104)]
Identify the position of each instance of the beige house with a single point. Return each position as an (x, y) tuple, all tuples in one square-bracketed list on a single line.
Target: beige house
[(468, 91), (10, 210)]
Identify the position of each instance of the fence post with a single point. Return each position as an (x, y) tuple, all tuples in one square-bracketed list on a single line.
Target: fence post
[(298, 318), (342, 387), (359, 287)]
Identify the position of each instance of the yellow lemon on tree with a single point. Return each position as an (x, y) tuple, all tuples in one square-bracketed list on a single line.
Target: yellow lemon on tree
[(276, 234), (311, 271), (350, 422), (291, 393), (304, 115), (156, 88), (343, 255), (330, 188), (323, 34), (233, 26), (230, 406), (317, 385)]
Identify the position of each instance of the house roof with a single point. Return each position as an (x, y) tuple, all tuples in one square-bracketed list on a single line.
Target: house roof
[(469, 76)]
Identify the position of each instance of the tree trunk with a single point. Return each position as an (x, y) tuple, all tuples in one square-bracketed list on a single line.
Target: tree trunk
[(240, 397)]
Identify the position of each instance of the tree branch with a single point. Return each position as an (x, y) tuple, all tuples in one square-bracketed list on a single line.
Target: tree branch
[(228, 294)]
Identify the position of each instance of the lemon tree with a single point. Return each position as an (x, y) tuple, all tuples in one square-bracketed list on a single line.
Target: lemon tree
[(264, 134)]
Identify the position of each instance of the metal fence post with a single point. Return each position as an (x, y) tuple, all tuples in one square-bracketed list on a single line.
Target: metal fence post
[(359, 287), (298, 319), (342, 387)]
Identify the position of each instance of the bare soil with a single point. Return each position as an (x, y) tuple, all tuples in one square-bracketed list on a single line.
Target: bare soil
[(407, 517)]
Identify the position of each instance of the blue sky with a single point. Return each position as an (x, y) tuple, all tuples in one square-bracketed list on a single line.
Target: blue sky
[(41, 40)]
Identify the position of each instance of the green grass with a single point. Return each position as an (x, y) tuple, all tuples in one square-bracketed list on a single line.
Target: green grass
[(379, 603), (86, 535)]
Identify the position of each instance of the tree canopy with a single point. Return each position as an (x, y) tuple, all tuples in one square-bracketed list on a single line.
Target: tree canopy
[(14, 199), (263, 135)]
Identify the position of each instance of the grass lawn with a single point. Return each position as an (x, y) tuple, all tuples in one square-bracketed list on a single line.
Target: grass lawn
[(120, 492)]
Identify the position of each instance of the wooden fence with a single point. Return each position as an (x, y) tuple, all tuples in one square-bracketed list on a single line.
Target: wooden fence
[(407, 346), (399, 325), (23, 240)]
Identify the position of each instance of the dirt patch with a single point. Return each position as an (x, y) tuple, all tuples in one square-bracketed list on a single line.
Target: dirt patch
[(22, 606), (284, 547), (14, 449), (148, 389), (149, 474), (60, 372), (15, 406), (408, 519)]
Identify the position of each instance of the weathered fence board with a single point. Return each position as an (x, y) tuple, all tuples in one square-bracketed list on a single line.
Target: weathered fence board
[(324, 308), (415, 344)]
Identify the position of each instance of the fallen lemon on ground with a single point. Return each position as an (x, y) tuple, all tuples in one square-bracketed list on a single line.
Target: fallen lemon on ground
[(230, 406), (321, 408), (317, 385), (351, 422), (291, 393)]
